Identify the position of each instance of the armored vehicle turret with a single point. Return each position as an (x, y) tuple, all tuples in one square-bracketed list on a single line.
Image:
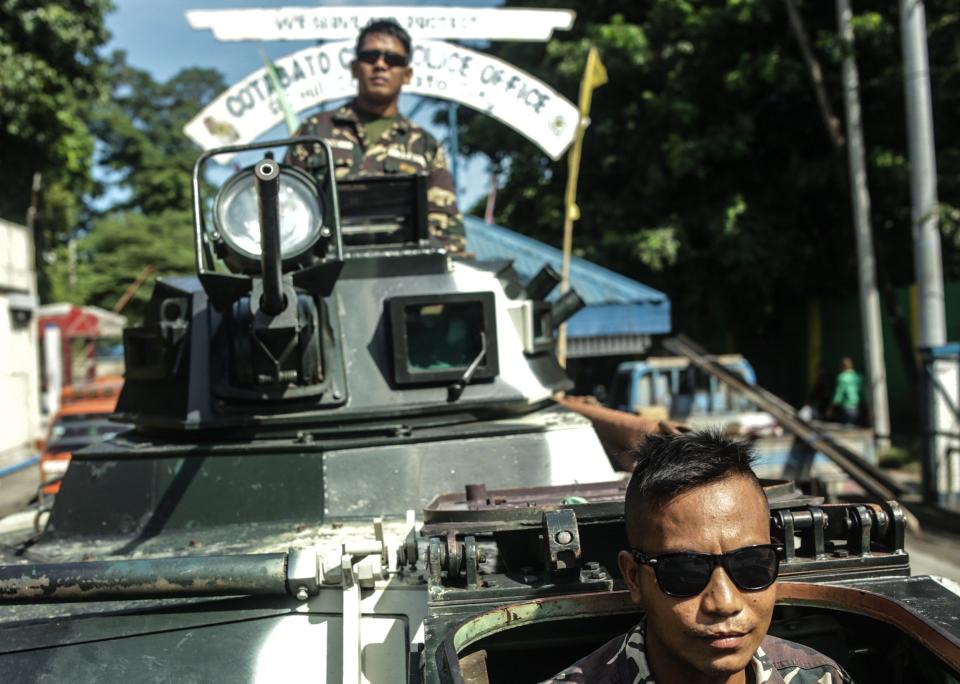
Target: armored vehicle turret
[(347, 465), (336, 365)]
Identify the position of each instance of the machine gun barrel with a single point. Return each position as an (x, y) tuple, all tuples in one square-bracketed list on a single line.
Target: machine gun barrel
[(542, 283), (264, 574), (267, 174), (568, 304)]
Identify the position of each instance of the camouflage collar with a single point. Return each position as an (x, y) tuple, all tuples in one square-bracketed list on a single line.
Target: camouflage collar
[(632, 657), (348, 114), (763, 671)]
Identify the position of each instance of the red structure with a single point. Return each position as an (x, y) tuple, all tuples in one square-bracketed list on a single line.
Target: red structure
[(83, 324)]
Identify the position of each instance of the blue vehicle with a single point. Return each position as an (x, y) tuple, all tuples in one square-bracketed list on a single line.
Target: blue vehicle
[(671, 387)]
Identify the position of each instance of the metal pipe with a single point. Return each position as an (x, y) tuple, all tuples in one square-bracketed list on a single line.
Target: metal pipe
[(866, 263), (476, 493), (873, 480), (542, 283), (925, 220), (452, 111), (267, 174), (350, 663), (198, 215), (145, 578), (568, 304), (923, 173)]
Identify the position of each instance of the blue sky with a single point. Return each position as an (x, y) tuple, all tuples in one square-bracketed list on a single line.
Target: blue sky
[(156, 37)]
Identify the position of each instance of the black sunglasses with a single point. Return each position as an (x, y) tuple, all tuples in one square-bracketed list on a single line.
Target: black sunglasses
[(392, 59), (687, 573)]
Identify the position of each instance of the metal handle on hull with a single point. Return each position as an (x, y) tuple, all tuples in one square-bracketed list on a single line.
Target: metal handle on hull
[(143, 578)]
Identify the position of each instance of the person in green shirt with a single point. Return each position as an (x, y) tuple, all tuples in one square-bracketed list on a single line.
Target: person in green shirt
[(849, 393)]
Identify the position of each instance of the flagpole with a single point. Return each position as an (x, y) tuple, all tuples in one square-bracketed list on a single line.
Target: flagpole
[(289, 116), (570, 214), (594, 75)]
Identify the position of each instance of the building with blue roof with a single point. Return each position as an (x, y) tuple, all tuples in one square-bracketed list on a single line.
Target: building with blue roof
[(620, 314)]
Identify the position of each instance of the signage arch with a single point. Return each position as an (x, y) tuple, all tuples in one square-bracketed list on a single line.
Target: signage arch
[(441, 70), (339, 22)]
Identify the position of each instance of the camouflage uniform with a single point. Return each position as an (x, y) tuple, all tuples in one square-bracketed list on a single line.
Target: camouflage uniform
[(623, 661), (404, 149)]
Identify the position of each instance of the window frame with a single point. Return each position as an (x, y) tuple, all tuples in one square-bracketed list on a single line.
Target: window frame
[(402, 373)]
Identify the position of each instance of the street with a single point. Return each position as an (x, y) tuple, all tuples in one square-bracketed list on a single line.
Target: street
[(17, 489), (934, 552)]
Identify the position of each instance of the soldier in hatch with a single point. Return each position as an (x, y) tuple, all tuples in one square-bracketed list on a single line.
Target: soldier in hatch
[(702, 566), (369, 137)]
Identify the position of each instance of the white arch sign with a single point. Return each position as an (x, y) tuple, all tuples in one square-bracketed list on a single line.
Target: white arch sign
[(336, 23), (442, 70)]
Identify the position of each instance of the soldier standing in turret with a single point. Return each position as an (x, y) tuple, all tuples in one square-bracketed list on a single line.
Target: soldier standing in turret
[(370, 137)]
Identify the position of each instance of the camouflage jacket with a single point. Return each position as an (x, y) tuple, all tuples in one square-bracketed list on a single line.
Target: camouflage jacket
[(623, 660), (405, 148)]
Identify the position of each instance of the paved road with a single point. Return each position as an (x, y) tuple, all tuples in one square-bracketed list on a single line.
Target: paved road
[(934, 552), (18, 489)]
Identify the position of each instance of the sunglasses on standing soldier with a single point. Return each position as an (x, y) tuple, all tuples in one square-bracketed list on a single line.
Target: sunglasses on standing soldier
[(686, 573), (391, 59)]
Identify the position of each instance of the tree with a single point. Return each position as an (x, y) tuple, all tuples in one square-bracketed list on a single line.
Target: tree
[(141, 130), (708, 170), (149, 220), (116, 249), (49, 79)]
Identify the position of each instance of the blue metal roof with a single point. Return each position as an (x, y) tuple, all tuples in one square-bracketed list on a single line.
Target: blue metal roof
[(616, 305)]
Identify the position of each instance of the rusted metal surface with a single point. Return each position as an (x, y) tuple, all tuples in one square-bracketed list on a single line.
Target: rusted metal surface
[(142, 579), (518, 614), (474, 668), (602, 499), (894, 610), (591, 499), (540, 611), (862, 601), (618, 431)]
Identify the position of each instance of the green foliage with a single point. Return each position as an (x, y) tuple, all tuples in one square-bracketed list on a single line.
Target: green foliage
[(59, 103), (896, 458), (141, 128), (49, 79), (707, 169), (140, 131), (116, 250)]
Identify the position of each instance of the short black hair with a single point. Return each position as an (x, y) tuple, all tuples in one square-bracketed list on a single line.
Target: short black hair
[(387, 27), (669, 465)]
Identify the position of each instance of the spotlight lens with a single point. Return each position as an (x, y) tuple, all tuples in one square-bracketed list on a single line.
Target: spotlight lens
[(238, 218)]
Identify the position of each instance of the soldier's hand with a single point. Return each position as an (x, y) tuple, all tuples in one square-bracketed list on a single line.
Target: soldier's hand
[(670, 428)]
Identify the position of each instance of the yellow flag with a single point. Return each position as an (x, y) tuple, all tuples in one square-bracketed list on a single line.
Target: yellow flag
[(594, 76)]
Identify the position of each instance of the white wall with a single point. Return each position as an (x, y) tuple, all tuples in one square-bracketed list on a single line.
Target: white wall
[(19, 361)]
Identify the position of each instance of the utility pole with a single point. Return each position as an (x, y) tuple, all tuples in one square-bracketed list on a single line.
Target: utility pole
[(452, 111), (72, 263), (926, 231), (866, 263), (34, 201), (923, 174)]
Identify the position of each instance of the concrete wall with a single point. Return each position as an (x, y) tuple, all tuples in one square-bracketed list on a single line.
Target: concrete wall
[(19, 360)]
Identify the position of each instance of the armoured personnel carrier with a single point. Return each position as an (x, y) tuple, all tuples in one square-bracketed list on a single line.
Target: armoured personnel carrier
[(314, 386), (347, 466)]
